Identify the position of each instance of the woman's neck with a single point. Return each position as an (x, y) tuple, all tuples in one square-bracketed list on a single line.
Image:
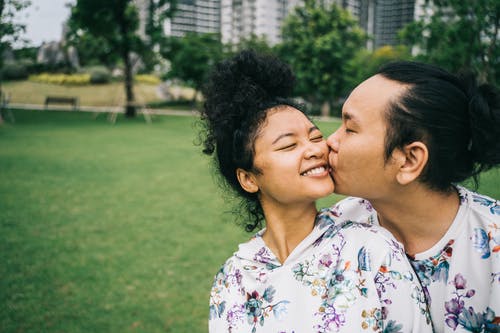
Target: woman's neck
[(286, 227)]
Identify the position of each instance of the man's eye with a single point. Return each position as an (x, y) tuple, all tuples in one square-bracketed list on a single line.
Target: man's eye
[(348, 130), (317, 138)]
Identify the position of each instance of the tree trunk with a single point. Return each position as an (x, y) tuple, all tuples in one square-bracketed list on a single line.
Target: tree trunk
[(325, 109), (130, 108)]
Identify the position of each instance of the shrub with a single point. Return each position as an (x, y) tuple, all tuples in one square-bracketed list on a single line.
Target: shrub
[(14, 70), (99, 74)]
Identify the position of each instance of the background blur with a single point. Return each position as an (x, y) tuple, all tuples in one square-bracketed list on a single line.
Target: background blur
[(110, 217)]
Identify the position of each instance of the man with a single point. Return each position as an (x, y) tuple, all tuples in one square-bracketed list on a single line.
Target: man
[(408, 134)]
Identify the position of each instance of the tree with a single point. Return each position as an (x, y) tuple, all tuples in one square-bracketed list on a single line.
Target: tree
[(92, 50), (191, 57), (365, 63), (256, 43), (116, 22), (10, 31), (456, 34), (318, 41)]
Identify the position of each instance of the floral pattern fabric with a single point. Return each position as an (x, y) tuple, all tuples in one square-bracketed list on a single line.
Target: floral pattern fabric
[(346, 277), (461, 273)]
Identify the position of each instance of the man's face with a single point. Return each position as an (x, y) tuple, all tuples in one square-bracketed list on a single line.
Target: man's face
[(357, 148)]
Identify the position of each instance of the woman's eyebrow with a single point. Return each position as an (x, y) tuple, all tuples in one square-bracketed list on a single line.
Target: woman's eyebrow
[(281, 137), (313, 128)]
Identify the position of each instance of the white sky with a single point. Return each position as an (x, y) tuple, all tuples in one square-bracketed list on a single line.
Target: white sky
[(43, 20)]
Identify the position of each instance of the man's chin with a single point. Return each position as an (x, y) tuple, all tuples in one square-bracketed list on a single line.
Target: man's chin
[(339, 189)]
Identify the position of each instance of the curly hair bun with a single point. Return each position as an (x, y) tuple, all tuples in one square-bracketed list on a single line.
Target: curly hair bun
[(241, 87)]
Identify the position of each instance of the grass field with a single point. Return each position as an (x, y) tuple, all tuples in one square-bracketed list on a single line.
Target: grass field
[(112, 228), (112, 94)]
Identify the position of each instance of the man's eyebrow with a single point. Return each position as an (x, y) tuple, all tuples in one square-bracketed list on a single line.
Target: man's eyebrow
[(313, 128), (349, 116)]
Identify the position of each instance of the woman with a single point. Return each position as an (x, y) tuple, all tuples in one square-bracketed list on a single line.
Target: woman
[(303, 272)]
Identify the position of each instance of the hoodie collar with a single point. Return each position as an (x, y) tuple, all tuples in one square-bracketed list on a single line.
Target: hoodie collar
[(256, 252)]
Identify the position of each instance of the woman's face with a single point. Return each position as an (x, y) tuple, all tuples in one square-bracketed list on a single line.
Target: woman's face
[(292, 157)]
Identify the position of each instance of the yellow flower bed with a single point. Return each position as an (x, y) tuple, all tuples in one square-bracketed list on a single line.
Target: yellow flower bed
[(62, 79), (147, 78)]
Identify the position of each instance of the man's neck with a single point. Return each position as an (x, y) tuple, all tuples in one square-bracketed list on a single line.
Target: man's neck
[(417, 216)]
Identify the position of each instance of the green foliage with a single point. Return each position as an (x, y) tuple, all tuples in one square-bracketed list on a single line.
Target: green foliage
[(14, 70), (10, 30), (115, 23), (365, 63), (456, 34), (256, 43), (99, 74), (29, 52), (318, 42), (92, 50), (192, 56)]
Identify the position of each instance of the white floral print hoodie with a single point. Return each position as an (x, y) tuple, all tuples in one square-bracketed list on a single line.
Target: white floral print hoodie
[(347, 277)]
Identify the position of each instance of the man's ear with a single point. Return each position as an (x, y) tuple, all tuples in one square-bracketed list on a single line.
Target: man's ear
[(247, 180), (411, 161)]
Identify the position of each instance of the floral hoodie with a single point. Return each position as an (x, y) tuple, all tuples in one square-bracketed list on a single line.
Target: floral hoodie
[(460, 274), (346, 277)]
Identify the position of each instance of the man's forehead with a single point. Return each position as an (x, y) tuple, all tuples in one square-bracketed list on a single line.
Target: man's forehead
[(373, 94)]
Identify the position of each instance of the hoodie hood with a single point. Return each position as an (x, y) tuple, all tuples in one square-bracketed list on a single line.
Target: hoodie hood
[(256, 253)]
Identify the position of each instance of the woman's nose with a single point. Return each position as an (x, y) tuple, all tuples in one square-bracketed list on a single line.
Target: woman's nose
[(333, 141), (316, 149)]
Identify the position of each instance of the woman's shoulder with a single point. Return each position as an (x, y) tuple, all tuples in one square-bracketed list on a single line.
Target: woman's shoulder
[(360, 238), (354, 209)]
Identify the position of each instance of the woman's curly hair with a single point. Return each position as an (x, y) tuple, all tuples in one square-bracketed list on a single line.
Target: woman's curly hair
[(238, 94)]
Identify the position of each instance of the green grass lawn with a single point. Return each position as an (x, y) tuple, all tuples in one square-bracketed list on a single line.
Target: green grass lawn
[(112, 228)]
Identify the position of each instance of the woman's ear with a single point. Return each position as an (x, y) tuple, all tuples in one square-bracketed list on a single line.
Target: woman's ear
[(247, 180), (412, 160)]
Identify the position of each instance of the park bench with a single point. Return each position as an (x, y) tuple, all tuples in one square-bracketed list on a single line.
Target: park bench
[(62, 100)]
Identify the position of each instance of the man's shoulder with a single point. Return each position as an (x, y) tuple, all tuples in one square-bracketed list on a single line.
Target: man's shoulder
[(486, 207), (354, 209)]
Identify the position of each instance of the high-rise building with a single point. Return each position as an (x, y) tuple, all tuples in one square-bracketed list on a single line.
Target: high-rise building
[(202, 16), (381, 19), (240, 19), (237, 20), (390, 17)]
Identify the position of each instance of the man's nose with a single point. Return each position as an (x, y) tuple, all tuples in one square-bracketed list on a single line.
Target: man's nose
[(333, 141)]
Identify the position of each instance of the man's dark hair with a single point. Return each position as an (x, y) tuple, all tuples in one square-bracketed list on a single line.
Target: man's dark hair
[(456, 118)]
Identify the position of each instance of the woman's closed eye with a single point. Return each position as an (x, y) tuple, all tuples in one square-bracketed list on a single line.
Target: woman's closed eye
[(287, 146)]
